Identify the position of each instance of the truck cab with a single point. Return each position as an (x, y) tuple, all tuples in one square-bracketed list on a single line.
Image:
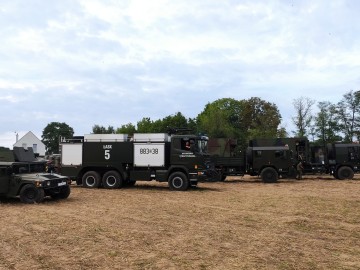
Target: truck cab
[(344, 159)]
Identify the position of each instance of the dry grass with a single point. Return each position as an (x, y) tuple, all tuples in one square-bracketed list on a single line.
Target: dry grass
[(239, 224)]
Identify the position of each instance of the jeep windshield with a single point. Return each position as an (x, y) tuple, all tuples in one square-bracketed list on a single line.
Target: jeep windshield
[(21, 168)]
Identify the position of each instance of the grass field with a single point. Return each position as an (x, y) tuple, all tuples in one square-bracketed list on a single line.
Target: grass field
[(237, 224)]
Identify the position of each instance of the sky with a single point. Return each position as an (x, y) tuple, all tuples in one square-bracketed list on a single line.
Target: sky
[(113, 62)]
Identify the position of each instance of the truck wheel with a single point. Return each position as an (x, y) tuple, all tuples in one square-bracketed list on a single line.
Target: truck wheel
[(112, 179), (345, 172), (269, 175), (31, 194), (178, 181), (91, 179), (63, 194)]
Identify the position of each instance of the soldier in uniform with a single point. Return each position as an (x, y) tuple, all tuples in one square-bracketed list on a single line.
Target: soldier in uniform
[(299, 170)]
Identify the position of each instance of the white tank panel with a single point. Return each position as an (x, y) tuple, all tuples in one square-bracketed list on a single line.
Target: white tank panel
[(71, 154), (149, 154)]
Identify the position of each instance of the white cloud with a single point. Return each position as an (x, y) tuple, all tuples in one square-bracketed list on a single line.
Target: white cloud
[(113, 62), (10, 98)]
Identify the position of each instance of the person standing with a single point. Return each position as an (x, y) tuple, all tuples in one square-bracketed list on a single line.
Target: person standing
[(299, 170)]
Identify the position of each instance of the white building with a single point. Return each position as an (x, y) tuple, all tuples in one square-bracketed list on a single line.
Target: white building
[(30, 140)]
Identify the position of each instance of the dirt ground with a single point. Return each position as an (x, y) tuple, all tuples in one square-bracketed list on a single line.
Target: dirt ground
[(237, 224)]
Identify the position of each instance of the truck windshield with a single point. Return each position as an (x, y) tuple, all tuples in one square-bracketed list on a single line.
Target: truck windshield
[(202, 144), (28, 168)]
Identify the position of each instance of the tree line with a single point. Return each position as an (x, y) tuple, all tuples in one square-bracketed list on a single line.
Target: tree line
[(244, 120)]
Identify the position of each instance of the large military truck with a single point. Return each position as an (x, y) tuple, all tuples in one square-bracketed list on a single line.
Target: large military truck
[(21, 175), (338, 159), (269, 162), (116, 160)]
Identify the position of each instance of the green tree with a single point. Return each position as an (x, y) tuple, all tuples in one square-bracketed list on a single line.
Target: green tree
[(96, 129), (262, 118), (52, 133), (348, 115), (145, 125), (192, 125), (303, 118), (221, 118), (126, 129), (177, 120), (240, 119), (325, 125)]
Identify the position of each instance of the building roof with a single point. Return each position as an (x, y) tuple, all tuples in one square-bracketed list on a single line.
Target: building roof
[(27, 136)]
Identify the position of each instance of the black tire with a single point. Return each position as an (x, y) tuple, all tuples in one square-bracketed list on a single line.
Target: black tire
[(91, 179), (31, 194), (178, 181), (62, 194), (222, 177), (345, 172), (112, 179), (269, 175)]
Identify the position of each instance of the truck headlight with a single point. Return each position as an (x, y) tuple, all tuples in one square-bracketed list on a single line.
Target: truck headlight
[(46, 184)]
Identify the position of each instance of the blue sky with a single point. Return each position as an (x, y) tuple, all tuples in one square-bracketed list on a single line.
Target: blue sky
[(111, 62)]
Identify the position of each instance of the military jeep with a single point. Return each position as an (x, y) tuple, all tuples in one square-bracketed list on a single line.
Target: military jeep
[(29, 179)]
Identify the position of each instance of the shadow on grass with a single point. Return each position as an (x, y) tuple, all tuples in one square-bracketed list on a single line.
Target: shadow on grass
[(306, 178), (13, 201), (198, 188)]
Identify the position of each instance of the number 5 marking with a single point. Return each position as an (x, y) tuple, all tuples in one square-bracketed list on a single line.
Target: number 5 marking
[(107, 154)]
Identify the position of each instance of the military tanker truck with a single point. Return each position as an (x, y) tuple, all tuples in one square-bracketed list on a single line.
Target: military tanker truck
[(21, 175), (116, 160)]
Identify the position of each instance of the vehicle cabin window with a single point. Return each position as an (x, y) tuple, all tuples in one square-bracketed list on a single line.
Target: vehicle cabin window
[(258, 153), (186, 144), (279, 153), (2, 171), (353, 153)]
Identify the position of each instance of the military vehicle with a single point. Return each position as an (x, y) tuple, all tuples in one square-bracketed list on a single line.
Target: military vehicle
[(343, 160), (278, 157), (227, 160), (116, 160), (338, 159), (270, 162), (21, 175)]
